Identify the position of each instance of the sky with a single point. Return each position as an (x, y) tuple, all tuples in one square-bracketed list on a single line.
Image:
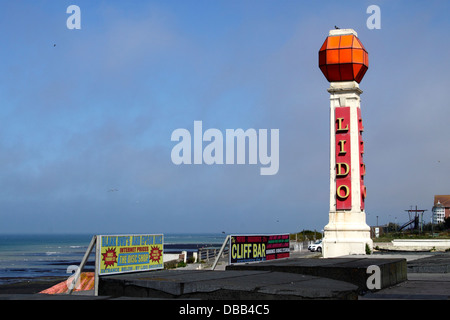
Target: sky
[(87, 114)]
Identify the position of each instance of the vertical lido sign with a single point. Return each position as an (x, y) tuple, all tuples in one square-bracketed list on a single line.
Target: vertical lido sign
[(343, 160), (129, 253), (252, 248)]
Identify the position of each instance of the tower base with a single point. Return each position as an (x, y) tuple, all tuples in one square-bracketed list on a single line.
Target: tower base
[(346, 234)]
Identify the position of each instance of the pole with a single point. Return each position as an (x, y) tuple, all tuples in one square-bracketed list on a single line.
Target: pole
[(82, 264), (220, 252)]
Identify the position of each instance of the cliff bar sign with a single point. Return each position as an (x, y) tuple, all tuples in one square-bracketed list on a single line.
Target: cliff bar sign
[(129, 253), (251, 248)]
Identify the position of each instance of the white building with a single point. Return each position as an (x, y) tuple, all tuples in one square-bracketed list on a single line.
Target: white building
[(441, 208)]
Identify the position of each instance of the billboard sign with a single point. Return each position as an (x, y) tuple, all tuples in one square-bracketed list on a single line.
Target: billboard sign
[(252, 248), (129, 253)]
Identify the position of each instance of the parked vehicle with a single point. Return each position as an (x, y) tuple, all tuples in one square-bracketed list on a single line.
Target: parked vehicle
[(316, 246)]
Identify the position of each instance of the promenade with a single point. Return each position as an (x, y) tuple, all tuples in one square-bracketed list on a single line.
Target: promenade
[(427, 278)]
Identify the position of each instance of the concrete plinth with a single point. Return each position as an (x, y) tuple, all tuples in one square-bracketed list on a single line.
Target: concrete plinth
[(346, 234), (352, 270), (225, 285), (293, 278)]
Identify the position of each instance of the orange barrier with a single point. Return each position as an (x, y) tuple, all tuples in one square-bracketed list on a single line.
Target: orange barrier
[(86, 282)]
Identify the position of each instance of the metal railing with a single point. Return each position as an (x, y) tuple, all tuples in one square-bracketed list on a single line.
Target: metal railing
[(210, 253)]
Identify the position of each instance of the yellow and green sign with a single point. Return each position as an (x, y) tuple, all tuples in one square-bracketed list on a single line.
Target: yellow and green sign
[(129, 253)]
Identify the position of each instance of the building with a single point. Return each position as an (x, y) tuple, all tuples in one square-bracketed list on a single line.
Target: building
[(441, 208)]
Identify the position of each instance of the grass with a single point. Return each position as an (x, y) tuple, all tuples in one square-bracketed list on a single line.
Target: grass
[(387, 237)]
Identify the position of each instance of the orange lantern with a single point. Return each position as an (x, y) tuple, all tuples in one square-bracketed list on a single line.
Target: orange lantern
[(343, 58)]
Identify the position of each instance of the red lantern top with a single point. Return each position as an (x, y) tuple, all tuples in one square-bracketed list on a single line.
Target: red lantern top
[(342, 57)]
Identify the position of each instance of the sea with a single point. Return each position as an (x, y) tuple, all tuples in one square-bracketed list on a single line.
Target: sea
[(27, 257)]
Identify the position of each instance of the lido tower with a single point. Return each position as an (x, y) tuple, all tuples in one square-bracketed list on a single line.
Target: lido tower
[(344, 61)]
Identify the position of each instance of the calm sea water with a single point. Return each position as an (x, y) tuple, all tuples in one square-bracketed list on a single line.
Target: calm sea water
[(31, 256)]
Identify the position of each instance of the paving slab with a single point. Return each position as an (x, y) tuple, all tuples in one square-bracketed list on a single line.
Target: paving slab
[(420, 286), (229, 285), (428, 279), (436, 263)]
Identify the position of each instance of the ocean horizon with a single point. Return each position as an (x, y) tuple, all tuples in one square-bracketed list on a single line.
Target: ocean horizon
[(30, 256)]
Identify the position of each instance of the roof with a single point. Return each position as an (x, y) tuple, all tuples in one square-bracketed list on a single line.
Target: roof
[(443, 199)]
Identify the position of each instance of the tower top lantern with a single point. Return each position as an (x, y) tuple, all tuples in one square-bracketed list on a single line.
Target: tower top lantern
[(342, 56)]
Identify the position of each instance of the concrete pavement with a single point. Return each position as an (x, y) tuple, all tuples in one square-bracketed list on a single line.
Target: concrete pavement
[(295, 278), (428, 278), (226, 285)]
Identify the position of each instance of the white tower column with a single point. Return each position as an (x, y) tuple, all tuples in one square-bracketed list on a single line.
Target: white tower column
[(346, 232)]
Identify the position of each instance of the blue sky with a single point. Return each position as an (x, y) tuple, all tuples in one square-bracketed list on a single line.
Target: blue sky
[(87, 115)]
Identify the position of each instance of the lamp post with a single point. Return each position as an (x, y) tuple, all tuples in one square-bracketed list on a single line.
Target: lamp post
[(343, 60)]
